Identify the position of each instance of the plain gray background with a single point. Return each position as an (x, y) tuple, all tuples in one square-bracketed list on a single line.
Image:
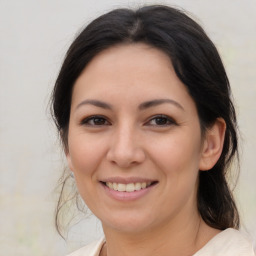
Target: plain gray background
[(34, 38)]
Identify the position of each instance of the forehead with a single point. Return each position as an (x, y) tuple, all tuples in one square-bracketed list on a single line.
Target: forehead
[(130, 51), (136, 57), (130, 71)]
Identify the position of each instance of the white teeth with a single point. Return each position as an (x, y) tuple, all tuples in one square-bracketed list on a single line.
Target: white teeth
[(114, 186), (110, 185), (130, 187), (121, 187), (137, 186)]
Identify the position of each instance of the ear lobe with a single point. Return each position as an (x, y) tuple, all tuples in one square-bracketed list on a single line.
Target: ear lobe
[(213, 145)]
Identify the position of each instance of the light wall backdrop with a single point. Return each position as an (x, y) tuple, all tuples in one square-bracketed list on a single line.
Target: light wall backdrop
[(34, 38)]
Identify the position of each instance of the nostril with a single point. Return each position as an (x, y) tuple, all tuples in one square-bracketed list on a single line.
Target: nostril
[(126, 157)]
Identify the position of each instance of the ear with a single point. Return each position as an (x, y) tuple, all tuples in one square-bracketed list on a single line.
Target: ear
[(212, 145)]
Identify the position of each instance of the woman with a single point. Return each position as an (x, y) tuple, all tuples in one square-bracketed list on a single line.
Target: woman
[(142, 104)]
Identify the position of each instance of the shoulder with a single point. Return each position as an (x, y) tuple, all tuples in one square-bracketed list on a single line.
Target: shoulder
[(92, 249), (229, 242)]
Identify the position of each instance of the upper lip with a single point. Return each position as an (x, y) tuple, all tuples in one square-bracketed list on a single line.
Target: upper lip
[(126, 180)]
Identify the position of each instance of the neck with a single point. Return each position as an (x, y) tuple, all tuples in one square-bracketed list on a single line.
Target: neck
[(177, 238)]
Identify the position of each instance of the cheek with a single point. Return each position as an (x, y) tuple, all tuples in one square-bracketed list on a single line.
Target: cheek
[(178, 159), (85, 153), (176, 151)]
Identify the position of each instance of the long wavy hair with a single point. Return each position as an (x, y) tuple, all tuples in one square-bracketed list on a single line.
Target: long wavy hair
[(197, 64)]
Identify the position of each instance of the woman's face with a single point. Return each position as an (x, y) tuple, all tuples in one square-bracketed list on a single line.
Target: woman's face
[(134, 141)]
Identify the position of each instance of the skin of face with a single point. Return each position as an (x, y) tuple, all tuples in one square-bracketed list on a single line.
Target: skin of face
[(133, 119)]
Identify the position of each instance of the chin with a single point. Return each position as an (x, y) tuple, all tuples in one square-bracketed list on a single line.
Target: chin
[(128, 224)]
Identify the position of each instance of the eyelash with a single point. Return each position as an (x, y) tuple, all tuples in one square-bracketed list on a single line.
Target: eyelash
[(94, 118), (168, 121), (164, 121)]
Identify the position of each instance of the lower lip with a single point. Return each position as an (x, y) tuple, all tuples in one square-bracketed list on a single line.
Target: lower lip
[(126, 196)]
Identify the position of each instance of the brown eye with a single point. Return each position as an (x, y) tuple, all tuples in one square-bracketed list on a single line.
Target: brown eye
[(98, 121), (161, 120), (95, 121)]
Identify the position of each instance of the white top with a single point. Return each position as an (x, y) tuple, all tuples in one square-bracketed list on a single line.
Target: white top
[(229, 242)]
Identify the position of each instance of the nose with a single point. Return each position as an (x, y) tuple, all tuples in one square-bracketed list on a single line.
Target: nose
[(126, 148)]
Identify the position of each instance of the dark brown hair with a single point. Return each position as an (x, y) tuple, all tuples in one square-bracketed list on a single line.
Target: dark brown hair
[(197, 64)]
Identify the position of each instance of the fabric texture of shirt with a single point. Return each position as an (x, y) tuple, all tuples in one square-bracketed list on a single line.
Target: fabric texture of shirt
[(229, 242)]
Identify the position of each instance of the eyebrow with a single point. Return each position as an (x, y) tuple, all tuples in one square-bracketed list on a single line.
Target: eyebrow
[(96, 103), (156, 102), (142, 106)]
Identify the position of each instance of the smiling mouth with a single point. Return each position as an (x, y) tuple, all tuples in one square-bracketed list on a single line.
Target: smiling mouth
[(130, 187)]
